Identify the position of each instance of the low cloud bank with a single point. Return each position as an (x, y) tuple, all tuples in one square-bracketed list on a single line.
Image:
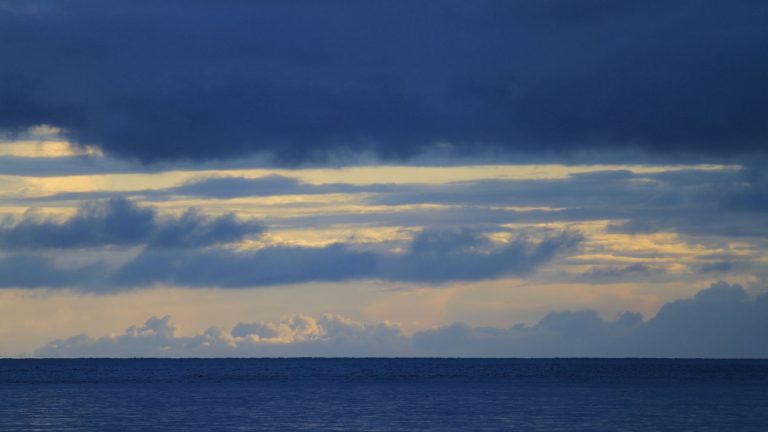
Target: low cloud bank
[(720, 321), (300, 335)]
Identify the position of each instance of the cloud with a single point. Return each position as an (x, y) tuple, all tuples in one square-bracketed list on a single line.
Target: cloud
[(299, 335), (35, 271), (226, 268), (720, 201), (725, 201), (193, 229), (437, 256), (174, 256), (720, 321), (730, 264), (65, 166), (120, 222), (434, 256), (307, 82), (613, 273), (235, 187), (226, 187)]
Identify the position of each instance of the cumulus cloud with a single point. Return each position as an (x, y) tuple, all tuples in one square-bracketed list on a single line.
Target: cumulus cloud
[(299, 335), (120, 222), (194, 80), (720, 321)]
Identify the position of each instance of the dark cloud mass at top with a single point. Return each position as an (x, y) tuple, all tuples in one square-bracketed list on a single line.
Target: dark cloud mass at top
[(302, 81)]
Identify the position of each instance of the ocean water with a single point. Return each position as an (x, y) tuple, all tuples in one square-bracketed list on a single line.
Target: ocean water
[(383, 395)]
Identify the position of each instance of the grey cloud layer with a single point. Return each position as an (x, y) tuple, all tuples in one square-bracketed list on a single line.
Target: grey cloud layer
[(119, 222), (234, 187), (729, 202), (35, 271), (707, 206), (302, 81), (710, 206), (434, 257), (721, 321)]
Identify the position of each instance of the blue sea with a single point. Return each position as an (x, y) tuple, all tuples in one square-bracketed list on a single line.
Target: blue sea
[(383, 395)]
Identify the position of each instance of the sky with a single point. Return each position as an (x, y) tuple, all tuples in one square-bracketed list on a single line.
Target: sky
[(472, 179)]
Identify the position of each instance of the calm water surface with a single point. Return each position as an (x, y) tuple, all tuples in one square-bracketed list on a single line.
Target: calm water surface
[(383, 394)]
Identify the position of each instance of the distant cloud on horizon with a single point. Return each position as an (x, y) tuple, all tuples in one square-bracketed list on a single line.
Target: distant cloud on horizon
[(720, 322)]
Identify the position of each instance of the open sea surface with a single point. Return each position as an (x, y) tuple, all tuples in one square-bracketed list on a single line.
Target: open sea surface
[(383, 395)]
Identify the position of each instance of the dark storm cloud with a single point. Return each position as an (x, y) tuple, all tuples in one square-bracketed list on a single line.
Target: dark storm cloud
[(301, 81), (434, 256), (719, 322), (120, 222)]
